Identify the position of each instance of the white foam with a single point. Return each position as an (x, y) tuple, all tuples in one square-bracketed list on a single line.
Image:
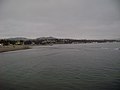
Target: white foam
[(104, 48), (117, 49)]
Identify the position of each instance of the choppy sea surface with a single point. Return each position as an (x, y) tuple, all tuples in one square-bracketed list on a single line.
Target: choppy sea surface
[(62, 67)]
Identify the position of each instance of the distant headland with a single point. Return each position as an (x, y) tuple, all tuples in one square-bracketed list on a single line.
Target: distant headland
[(49, 40), (20, 43)]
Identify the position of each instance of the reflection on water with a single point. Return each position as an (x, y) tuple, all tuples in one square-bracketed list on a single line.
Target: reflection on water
[(62, 67)]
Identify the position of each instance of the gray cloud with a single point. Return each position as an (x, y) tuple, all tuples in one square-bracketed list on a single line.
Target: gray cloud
[(89, 19)]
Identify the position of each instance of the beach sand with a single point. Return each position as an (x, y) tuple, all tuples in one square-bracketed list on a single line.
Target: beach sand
[(13, 48)]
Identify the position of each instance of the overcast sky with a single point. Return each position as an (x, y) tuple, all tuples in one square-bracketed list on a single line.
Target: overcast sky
[(84, 19)]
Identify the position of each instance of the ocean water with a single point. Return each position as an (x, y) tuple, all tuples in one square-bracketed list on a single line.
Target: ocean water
[(62, 67)]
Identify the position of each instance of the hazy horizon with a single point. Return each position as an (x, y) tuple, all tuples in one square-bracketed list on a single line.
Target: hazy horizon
[(77, 19)]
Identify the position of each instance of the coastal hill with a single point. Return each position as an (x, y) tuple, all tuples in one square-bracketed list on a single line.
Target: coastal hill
[(42, 38), (18, 38), (50, 40)]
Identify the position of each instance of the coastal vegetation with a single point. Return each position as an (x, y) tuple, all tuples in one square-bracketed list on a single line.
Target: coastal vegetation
[(13, 44), (48, 40)]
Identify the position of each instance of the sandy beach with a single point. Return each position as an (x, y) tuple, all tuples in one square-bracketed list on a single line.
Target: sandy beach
[(13, 48)]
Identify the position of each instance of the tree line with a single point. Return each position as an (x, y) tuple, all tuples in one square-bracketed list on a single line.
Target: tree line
[(50, 41)]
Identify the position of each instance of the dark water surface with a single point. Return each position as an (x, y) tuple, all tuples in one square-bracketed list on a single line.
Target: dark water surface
[(62, 67)]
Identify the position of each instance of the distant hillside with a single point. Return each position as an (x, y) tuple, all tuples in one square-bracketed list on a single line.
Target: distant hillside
[(42, 38), (118, 38), (49, 40), (18, 38)]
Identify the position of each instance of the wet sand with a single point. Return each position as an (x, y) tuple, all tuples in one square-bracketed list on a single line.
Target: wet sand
[(13, 48)]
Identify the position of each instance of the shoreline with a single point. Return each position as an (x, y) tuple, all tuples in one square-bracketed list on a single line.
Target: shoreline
[(13, 48)]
